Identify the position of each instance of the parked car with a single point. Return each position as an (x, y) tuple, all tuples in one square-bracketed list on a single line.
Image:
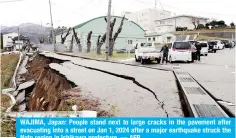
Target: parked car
[(212, 46), (219, 44), (180, 51), (122, 51), (205, 47), (227, 43), (147, 52)]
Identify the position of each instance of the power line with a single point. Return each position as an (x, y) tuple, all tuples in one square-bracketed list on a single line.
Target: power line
[(6, 1)]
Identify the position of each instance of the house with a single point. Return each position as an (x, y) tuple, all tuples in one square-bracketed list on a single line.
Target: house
[(146, 18), (131, 32), (168, 25), (7, 40)]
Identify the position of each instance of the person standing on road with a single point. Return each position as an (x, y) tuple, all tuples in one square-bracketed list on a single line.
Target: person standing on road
[(198, 53), (194, 50), (165, 51)]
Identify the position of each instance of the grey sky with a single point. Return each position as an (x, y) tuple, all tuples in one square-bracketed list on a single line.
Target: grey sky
[(73, 12)]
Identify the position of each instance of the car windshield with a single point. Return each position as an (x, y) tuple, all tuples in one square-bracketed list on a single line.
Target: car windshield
[(158, 46), (212, 42), (202, 44), (181, 45), (147, 45)]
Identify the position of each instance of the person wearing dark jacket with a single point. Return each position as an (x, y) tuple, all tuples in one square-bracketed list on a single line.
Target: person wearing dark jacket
[(199, 48), (165, 51)]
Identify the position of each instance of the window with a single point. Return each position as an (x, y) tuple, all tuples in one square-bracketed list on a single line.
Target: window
[(149, 39), (130, 41), (154, 39), (9, 37), (181, 45), (162, 22)]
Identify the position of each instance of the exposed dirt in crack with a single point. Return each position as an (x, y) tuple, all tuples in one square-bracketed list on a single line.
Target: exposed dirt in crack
[(161, 103), (46, 95), (53, 92)]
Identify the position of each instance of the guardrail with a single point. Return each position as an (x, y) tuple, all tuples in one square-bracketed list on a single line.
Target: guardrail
[(13, 81)]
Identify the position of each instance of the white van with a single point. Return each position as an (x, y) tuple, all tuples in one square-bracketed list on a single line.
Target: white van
[(147, 52), (205, 47), (180, 51)]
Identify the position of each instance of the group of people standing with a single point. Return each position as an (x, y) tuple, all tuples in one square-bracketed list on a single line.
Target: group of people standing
[(196, 52)]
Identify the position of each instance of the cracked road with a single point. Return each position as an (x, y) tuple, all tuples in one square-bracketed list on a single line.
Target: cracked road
[(216, 73), (135, 91)]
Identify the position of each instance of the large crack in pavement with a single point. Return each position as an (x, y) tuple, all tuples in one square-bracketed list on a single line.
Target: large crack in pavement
[(161, 103)]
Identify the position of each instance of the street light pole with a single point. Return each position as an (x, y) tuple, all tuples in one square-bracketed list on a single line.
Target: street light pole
[(108, 29), (53, 35)]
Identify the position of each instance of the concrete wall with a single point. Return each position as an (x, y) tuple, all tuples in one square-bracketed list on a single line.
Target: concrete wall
[(168, 25), (130, 31)]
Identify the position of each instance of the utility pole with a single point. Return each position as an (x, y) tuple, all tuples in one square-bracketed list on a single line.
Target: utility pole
[(19, 38), (53, 35), (108, 29)]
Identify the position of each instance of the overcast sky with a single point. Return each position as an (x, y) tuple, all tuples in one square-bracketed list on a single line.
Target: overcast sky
[(73, 12)]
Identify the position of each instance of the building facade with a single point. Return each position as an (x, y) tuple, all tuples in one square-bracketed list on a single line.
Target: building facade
[(131, 33), (168, 25), (146, 18), (7, 39)]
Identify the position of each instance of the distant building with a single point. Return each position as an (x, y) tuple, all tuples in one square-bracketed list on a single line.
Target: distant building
[(169, 24), (131, 32), (146, 18), (7, 39)]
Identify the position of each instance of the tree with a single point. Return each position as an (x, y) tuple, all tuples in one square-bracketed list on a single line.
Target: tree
[(207, 25), (71, 44), (1, 42), (77, 40), (232, 25), (89, 41), (221, 23), (41, 39), (213, 23), (112, 39), (195, 22), (200, 26), (63, 39)]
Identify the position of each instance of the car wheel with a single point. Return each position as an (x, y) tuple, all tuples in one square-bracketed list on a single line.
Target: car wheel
[(158, 61), (142, 61), (205, 54), (214, 51)]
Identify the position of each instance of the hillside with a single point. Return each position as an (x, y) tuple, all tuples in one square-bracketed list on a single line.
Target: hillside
[(30, 30)]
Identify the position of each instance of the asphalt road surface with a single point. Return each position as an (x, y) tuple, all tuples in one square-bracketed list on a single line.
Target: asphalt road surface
[(215, 72), (135, 91)]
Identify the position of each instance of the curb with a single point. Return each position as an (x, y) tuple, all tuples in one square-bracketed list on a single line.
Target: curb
[(157, 68)]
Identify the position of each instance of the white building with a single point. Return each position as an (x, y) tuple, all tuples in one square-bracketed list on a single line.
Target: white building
[(7, 39), (169, 24), (146, 18)]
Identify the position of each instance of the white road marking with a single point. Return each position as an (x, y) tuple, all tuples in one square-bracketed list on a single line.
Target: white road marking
[(226, 66), (233, 72)]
